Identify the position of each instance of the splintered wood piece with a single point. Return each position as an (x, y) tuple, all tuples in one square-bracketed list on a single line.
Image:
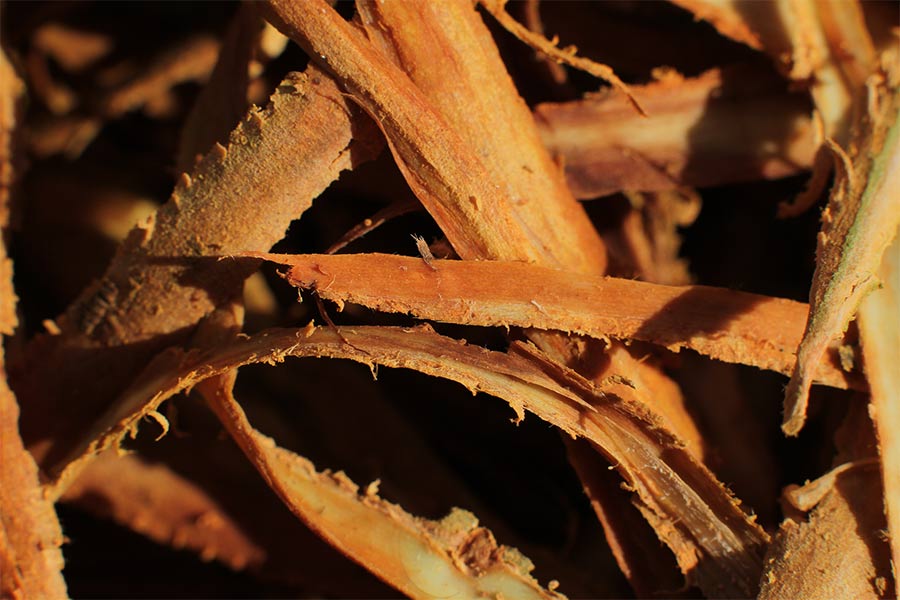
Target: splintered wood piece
[(715, 541), (421, 558), (167, 275), (30, 535), (858, 224), (724, 126), (879, 330), (727, 325)]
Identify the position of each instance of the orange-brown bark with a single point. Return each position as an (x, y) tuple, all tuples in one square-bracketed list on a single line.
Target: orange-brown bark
[(727, 325), (724, 126), (30, 535), (166, 278)]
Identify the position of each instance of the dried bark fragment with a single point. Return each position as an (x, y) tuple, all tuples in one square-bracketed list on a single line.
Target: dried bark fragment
[(444, 175), (193, 59), (879, 330), (842, 544), (858, 224), (724, 324), (738, 20), (829, 556), (73, 49), (30, 535), (421, 558), (167, 276), (648, 565), (720, 545), (479, 219), (725, 126), (825, 44), (416, 34), (805, 38), (156, 502), (650, 238)]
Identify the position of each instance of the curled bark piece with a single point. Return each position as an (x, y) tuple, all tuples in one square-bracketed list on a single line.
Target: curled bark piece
[(879, 330), (858, 224), (30, 535), (723, 126), (421, 558), (167, 275), (727, 325), (717, 545), (834, 545)]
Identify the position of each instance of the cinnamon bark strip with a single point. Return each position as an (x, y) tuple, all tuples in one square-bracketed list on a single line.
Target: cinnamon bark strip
[(421, 558), (477, 216), (879, 330), (842, 542), (724, 126), (727, 325), (858, 224), (415, 34), (719, 544), (30, 535), (447, 176), (167, 275)]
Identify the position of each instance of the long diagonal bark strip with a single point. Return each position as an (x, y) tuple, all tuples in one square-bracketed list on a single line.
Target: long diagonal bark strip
[(698, 513), (453, 184), (727, 325), (449, 54)]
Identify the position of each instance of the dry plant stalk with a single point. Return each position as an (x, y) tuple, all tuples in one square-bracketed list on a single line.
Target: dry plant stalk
[(500, 171)]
